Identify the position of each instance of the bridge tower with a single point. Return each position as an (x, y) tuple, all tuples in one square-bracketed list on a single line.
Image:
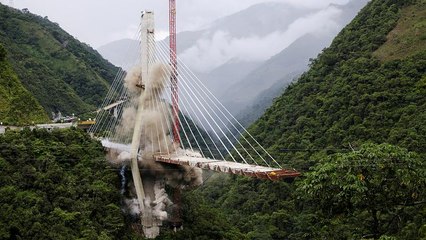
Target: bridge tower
[(149, 224)]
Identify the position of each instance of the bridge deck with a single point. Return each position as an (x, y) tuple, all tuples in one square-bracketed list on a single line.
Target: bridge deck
[(229, 167), (214, 164), (112, 105)]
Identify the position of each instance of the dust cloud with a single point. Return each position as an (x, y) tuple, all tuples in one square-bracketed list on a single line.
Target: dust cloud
[(155, 138)]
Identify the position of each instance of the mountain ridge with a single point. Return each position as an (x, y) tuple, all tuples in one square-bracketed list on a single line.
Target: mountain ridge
[(61, 72)]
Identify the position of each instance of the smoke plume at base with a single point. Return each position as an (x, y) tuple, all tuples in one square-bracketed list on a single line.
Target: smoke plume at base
[(156, 138)]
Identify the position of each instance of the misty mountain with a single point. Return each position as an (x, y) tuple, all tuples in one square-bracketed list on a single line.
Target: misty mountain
[(224, 76), (257, 20), (274, 73), (244, 54), (123, 52)]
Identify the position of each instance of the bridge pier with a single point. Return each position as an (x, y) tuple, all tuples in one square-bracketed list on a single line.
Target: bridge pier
[(149, 225)]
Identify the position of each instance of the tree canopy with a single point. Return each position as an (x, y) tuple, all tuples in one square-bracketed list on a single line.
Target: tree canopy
[(381, 182), (57, 186), (17, 105)]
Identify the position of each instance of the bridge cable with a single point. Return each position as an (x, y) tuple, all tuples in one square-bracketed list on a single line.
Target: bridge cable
[(108, 99), (209, 93), (201, 122), (215, 122), (184, 105)]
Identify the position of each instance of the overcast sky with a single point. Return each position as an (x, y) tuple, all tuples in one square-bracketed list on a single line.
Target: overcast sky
[(98, 22)]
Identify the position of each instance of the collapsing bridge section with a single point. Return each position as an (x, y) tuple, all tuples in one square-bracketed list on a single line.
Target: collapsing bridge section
[(193, 159), (229, 167), (149, 131)]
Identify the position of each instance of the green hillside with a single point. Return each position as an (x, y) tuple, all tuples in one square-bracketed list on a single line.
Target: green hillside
[(62, 73), (354, 124), (17, 105), (349, 96), (408, 37)]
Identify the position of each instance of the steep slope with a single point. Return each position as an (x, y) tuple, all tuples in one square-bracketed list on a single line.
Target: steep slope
[(267, 81), (278, 41), (407, 37), (348, 97), (17, 105), (277, 71), (61, 72)]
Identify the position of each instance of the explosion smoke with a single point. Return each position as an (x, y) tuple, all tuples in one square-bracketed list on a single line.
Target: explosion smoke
[(132, 80), (155, 138)]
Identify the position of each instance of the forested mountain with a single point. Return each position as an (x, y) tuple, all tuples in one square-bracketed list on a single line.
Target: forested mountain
[(17, 105), (354, 125), (62, 73), (351, 96)]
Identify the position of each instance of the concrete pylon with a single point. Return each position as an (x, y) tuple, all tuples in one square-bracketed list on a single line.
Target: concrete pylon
[(149, 224)]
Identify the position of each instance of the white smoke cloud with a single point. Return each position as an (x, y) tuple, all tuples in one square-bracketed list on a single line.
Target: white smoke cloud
[(220, 47), (132, 206), (155, 138)]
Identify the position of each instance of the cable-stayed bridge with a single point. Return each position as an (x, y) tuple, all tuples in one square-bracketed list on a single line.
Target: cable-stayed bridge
[(165, 118)]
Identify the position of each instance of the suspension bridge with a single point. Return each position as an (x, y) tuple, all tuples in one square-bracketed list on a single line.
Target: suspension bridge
[(164, 116)]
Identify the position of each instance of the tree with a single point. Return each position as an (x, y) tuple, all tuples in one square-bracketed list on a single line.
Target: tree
[(2, 53), (374, 184)]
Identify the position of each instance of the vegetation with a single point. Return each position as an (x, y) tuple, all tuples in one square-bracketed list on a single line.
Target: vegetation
[(57, 186), (352, 107), (381, 183), (408, 36), (17, 105), (202, 222), (353, 124), (62, 73), (195, 137)]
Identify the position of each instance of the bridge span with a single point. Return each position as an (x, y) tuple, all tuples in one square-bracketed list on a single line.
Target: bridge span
[(194, 159), (165, 125)]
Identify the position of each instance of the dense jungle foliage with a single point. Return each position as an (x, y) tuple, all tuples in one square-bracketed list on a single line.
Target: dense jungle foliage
[(62, 73), (354, 125), (17, 105), (57, 186)]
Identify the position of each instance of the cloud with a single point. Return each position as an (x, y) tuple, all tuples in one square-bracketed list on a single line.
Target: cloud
[(313, 3), (216, 49), (91, 21)]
